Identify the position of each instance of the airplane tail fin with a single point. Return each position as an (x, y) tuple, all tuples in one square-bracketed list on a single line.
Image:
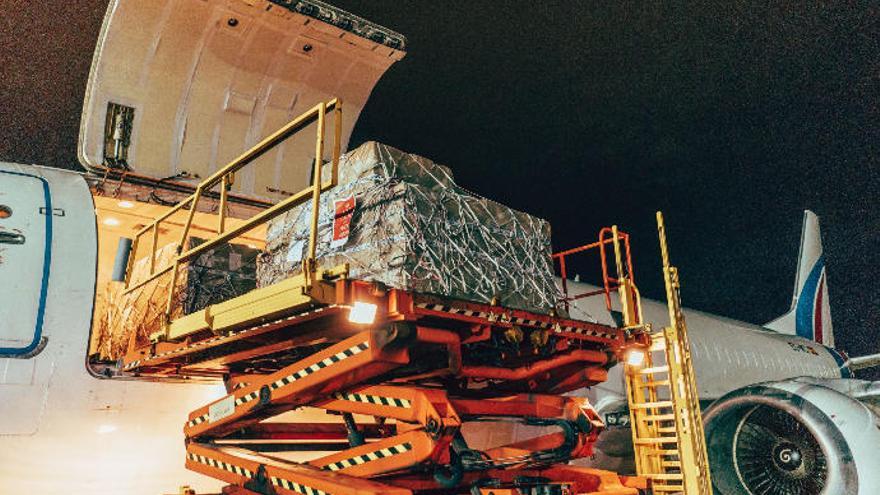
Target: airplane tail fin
[(810, 313)]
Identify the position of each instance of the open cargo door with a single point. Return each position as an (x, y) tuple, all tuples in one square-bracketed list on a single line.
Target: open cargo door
[(178, 88)]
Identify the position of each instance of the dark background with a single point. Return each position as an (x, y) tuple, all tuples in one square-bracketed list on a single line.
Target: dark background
[(732, 117)]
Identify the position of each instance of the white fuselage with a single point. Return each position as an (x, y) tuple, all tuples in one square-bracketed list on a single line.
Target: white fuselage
[(727, 354), (62, 429), (65, 430)]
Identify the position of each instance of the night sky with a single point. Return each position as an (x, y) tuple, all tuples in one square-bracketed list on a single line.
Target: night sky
[(732, 117)]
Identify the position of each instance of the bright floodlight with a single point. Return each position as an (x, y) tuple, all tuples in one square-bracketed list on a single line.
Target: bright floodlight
[(635, 357), (362, 312), (125, 204), (113, 222)]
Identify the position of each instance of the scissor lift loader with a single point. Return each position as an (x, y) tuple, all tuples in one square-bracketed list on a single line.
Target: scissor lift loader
[(419, 366)]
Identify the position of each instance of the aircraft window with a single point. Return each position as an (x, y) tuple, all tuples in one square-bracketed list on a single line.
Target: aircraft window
[(5, 211)]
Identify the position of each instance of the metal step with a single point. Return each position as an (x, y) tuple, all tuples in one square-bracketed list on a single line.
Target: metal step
[(663, 452), (658, 417), (665, 476), (667, 488), (656, 440), (657, 383), (652, 405), (654, 369)]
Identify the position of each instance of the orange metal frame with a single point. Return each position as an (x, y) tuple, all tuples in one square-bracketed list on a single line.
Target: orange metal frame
[(422, 370), (609, 284)]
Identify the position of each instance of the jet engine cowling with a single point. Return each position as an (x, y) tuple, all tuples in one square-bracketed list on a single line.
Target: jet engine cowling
[(790, 437)]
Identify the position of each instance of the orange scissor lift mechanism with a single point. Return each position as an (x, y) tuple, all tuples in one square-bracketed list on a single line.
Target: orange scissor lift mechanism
[(420, 366)]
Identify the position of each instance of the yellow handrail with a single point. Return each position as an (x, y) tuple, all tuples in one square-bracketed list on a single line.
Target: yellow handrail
[(224, 177)]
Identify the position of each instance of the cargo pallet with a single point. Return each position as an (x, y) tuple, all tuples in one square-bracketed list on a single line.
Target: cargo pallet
[(403, 371)]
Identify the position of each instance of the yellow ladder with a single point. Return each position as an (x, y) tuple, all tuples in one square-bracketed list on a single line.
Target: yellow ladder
[(667, 427)]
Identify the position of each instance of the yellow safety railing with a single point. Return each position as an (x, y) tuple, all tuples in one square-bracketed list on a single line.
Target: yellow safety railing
[(224, 178), (667, 427)]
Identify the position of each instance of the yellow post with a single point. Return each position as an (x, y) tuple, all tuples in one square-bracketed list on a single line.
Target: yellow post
[(130, 265), (154, 241), (194, 202), (337, 143), (309, 262), (628, 304), (224, 191)]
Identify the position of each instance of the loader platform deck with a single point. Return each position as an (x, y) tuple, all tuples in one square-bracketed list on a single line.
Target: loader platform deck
[(268, 328)]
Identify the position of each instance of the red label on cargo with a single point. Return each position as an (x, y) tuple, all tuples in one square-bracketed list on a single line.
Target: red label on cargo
[(342, 221)]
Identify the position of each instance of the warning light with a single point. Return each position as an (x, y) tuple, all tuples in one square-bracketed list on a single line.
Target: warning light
[(125, 204), (113, 222), (635, 357), (361, 312)]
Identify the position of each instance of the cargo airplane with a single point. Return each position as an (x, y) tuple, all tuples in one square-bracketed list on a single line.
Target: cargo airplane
[(179, 87)]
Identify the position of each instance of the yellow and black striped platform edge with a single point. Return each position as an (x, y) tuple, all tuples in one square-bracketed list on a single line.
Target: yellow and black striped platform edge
[(298, 375), (374, 399), (214, 463), (297, 487), (369, 456), (279, 482)]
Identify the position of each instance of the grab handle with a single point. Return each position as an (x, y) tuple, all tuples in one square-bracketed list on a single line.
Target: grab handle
[(11, 238)]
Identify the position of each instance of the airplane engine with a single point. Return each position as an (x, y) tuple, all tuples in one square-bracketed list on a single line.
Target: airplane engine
[(795, 436)]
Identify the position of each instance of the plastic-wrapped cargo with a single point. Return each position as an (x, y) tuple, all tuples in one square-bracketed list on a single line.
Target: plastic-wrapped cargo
[(400, 219), (214, 276)]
